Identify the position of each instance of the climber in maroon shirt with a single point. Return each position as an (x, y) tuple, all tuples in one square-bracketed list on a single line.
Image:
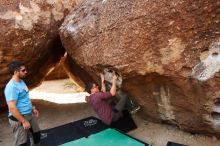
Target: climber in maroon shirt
[(98, 100)]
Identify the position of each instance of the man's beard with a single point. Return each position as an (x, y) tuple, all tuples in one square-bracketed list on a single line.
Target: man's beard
[(22, 77)]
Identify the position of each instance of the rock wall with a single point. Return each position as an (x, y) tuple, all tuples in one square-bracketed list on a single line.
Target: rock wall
[(29, 32), (166, 52), (58, 72)]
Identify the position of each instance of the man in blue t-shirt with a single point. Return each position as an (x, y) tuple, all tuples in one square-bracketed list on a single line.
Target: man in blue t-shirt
[(22, 115)]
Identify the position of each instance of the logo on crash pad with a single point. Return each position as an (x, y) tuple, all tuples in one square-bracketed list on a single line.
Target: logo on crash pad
[(90, 122)]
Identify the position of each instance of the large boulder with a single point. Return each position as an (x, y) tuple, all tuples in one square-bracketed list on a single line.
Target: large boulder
[(29, 32), (166, 52)]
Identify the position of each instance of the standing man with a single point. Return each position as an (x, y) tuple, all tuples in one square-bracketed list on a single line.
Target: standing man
[(22, 115)]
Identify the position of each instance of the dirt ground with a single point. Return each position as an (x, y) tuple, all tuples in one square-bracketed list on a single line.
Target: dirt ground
[(54, 114)]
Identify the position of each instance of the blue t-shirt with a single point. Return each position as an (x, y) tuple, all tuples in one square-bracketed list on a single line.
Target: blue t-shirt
[(18, 92)]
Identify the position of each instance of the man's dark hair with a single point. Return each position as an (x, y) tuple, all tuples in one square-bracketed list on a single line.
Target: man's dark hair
[(14, 66), (89, 86)]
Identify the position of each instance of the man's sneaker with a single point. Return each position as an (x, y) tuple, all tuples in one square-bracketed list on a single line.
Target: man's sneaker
[(135, 109)]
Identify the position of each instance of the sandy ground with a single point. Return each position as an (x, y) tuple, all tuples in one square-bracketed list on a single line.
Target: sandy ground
[(54, 114)]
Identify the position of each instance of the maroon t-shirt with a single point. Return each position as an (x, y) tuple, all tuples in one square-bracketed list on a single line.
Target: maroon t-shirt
[(101, 107)]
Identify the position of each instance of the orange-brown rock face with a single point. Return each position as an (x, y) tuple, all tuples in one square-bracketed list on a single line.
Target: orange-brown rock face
[(29, 32), (58, 72), (167, 53)]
